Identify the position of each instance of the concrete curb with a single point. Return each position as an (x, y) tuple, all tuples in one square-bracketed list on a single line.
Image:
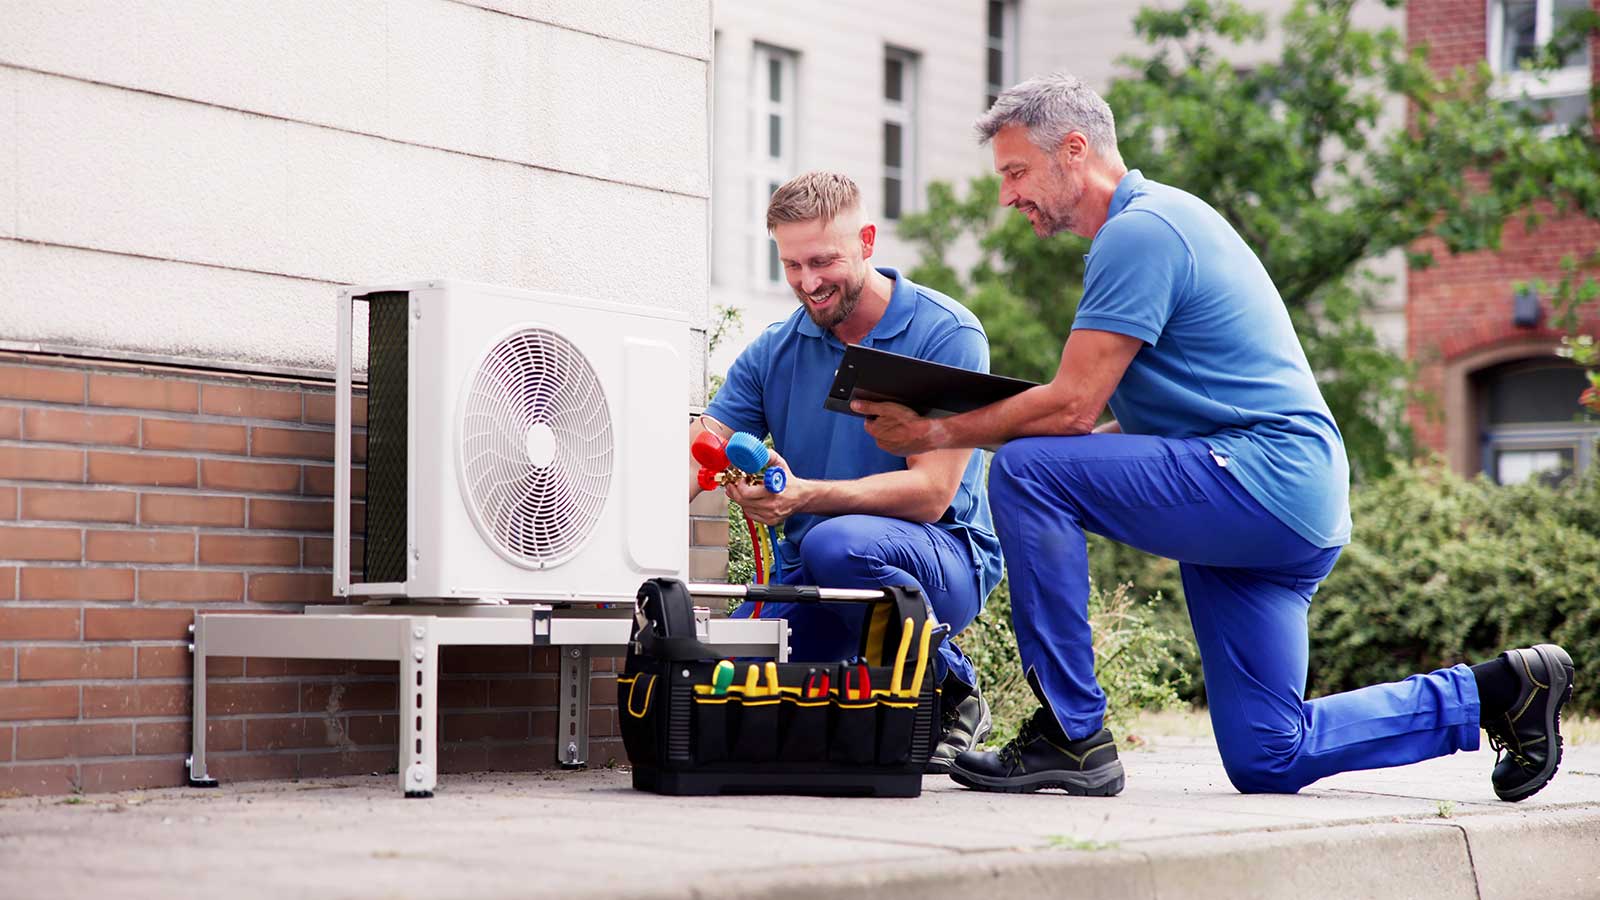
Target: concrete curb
[(1546, 854), (1180, 831)]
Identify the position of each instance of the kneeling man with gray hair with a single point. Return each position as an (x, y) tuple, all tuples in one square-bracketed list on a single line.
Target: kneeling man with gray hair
[(1224, 457)]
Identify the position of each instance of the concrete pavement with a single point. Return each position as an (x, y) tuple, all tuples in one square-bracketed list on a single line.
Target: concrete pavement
[(1432, 830)]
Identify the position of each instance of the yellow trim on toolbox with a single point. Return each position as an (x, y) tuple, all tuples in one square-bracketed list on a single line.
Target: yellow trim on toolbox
[(718, 700), (633, 686), (738, 690), (819, 701)]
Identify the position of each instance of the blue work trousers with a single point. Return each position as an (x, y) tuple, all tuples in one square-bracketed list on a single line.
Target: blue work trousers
[(1248, 580), (858, 551)]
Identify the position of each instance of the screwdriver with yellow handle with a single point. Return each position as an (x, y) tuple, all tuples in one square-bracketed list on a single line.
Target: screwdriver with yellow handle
[(922, 658), (895, 684)]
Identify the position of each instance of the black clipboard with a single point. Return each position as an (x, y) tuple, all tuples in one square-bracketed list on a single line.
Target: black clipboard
[(932, 389)]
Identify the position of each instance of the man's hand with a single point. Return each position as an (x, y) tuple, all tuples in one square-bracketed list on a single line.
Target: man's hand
[(898, 429), (765, 507)]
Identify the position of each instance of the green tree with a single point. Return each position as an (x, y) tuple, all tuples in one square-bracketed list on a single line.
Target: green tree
[(1295, 154)]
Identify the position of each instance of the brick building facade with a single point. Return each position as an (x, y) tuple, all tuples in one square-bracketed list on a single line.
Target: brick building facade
[(183, 191), (132, 496), (1505, 403)]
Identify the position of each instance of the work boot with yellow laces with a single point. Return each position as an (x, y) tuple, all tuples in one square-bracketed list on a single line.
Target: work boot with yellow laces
[(1040, 757), (1527, 737)]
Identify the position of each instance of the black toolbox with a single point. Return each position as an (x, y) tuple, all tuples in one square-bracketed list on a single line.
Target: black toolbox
[(845, 728)]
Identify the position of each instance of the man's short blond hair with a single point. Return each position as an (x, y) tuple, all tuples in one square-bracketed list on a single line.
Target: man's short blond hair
[(812, 196)]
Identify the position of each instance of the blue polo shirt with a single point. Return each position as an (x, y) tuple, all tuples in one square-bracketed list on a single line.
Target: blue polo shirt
[(1221, 361), (778, 384)]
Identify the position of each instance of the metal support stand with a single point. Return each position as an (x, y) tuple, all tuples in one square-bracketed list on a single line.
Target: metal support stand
[(197, 760), (419, 699), (412, 636), (572, 722)]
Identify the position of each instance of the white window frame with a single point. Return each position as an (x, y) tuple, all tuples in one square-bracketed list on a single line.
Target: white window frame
[(765, 169), (903, 113), (1006, 43), (1579, 439), (1518, 84)]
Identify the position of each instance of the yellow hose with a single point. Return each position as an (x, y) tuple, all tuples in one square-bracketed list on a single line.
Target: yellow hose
[(764, 548)]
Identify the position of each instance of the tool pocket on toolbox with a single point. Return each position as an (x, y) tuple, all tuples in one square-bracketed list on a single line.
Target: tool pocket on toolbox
[(640, 698), (711, 728), (896, 721), (755, 728), (855, 731), (803, 729)]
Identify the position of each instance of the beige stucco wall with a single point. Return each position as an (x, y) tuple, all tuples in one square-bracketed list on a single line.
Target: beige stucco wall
[(193, 180)]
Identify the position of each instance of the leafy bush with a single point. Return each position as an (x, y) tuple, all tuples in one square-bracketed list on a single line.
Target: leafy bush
[(1130, 652), (1443, 570)]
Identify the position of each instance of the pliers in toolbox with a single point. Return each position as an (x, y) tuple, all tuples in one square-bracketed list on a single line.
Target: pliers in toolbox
[(863, 682), (816, 686)]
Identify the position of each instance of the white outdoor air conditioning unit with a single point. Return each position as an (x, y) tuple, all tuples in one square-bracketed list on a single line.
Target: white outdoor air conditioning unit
[(520, 445)]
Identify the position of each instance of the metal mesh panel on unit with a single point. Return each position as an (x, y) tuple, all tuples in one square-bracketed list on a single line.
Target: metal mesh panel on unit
[(387, 398)]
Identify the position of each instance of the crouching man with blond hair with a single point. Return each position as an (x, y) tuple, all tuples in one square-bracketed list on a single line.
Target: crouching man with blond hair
[(855, 516)]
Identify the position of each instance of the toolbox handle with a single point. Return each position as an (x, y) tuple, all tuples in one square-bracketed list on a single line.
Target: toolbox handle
[(665, 622), (666, 614), (787, 593)]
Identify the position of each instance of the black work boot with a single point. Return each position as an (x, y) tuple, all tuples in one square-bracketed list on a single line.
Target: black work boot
[(1527, 737), (1034, 761), (966, 723)]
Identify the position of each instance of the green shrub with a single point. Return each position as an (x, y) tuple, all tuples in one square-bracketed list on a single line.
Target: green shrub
[(1130, 655), (1443, 570)]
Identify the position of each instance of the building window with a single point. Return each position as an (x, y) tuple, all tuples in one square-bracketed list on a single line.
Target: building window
[(1533, 426), (772, 149), (1001, 71), (1517, 31), (899, 132)]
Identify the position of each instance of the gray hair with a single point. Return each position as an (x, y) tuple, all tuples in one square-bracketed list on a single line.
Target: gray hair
[(1051, 107)]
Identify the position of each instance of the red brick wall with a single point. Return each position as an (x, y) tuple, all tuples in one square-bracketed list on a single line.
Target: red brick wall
[(1463, 304), (131, 497), (1454, 30)]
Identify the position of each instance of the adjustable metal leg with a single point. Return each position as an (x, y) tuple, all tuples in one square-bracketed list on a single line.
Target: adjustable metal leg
[(197, 756), (419, 675), (572, 719)]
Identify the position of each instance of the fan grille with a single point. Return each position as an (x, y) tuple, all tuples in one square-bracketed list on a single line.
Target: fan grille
[(536, 448)]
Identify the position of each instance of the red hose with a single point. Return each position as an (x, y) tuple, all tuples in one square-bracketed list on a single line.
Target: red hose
[(761, 569)]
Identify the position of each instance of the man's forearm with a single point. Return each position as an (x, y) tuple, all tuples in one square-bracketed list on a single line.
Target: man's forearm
[(1041, 410), (905, 495)]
